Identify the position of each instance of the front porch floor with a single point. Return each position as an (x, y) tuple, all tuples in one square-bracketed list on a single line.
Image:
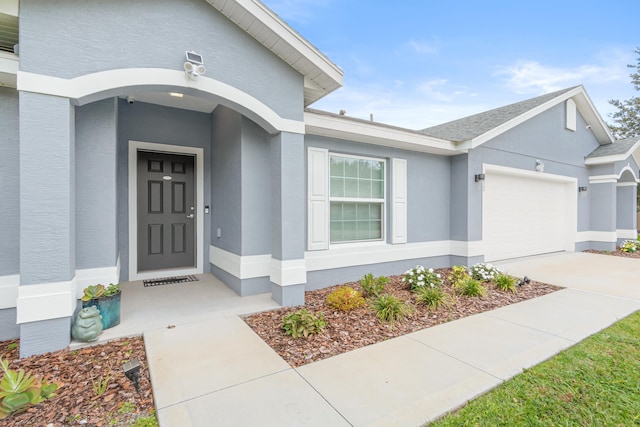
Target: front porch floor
[(157, 307)]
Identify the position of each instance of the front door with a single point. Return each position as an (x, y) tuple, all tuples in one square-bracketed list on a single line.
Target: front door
[(166, 211)]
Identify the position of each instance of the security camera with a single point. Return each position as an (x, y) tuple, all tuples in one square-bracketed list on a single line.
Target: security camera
[(131, 99), (588, 126)]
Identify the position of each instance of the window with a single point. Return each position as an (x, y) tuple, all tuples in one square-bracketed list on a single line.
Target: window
[(347, 198), (356, 198)]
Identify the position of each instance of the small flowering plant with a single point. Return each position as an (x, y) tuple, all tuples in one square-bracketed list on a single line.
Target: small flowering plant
[(630, 246), (484, 272), (419, 277)]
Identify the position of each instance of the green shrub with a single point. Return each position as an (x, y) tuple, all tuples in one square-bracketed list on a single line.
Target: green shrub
[(390, 309), (303, 323), (433, 298), (630, 246), (458, 272), (419, 277), (504, 282), (470, 287), (484, 272), (19, 390), (345, 298), (373, 287)]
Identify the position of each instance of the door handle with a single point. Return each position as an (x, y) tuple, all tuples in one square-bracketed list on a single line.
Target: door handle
[(190, 216)]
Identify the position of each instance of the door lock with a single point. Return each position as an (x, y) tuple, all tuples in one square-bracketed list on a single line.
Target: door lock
[(190, 216)]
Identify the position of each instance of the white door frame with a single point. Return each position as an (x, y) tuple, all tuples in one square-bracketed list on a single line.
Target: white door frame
[(134, 146)]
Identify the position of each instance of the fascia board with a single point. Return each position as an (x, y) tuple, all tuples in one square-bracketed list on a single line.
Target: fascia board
[(335, 127), (321, 65)]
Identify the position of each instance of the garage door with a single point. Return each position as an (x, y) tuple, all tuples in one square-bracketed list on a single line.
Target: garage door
[(527, 215)]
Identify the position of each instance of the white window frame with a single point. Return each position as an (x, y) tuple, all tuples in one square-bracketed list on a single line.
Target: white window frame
[(383, 213)]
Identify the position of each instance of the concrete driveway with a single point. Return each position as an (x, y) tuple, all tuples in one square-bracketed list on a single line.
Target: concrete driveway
[(219, 372), (602, 274)]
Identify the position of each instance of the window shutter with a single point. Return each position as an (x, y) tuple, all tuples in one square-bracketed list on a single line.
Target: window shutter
[(318, 194), (399, 201)]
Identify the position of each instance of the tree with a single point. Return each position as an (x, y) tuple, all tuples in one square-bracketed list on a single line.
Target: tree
[(627, 118)]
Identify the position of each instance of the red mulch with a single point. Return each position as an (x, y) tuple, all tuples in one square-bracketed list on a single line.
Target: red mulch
[(346, 331), (76, 403)]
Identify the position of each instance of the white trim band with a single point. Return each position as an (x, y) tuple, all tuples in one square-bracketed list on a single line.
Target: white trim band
[(364, 255), (289, 272), (603, 179), (596, 236), (242, 267), (9, 290), (114, 80), (46, 301), (627, 234)]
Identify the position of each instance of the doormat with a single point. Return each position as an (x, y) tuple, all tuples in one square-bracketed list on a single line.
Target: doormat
[(169, 280)]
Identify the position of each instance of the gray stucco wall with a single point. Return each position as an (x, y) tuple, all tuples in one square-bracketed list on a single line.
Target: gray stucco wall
[(9, 183), (47, 189), (226, 178), (543, 138), (256, 190), (428, 186), (8, 328), (69, 39), (160, 125), (96, 198)]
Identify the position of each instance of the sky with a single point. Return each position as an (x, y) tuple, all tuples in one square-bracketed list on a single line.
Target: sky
[(418, 63)]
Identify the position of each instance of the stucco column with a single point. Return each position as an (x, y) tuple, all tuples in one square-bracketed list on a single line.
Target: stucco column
[(46, 295), (602, 199), (626, 210), (288, 270)]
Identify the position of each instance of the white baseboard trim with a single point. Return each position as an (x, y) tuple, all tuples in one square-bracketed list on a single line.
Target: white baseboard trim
[(242, 267), (596, 236), (46, 301), (93, 276), (374, 254), (289, 272), (627, 234), (9, 290)]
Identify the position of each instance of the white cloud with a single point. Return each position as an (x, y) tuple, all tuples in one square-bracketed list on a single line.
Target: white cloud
[(531, 77), (410, 109), (423, 47)]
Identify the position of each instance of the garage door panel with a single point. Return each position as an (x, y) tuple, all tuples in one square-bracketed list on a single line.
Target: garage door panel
[(523, 216)]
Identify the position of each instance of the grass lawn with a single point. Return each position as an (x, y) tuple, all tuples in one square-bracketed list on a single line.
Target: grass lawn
[(594, 383)]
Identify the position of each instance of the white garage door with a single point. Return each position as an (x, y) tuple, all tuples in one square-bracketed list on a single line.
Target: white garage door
[(527, 215)]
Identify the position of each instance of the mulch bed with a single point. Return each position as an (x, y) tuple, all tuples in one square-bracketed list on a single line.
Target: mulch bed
[(346, 331), (617, 252), (76, 403)]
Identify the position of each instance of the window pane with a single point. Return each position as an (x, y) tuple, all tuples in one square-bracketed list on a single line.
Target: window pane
[(364, 189), (337, 187), (351, 168), (355, 221), (365, 169), (377, 171), (350, 187), (377, 189), (337, 166)]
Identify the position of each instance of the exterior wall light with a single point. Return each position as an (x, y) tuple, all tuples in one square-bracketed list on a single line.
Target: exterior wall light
[(539, 166), (479, 177), (582, 189)]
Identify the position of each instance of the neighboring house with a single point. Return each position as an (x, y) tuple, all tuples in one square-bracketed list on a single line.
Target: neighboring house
[(117, 165)]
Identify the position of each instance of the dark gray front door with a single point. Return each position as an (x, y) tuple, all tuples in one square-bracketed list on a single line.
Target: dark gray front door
[(166, 211)]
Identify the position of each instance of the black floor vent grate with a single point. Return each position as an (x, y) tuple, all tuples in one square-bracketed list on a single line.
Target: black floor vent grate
[(169, 280)]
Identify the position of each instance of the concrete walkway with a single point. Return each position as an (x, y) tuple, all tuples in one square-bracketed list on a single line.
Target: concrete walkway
[(217, 372)]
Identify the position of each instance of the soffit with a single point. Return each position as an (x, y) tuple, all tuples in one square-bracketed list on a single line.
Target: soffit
[(321, 76)]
